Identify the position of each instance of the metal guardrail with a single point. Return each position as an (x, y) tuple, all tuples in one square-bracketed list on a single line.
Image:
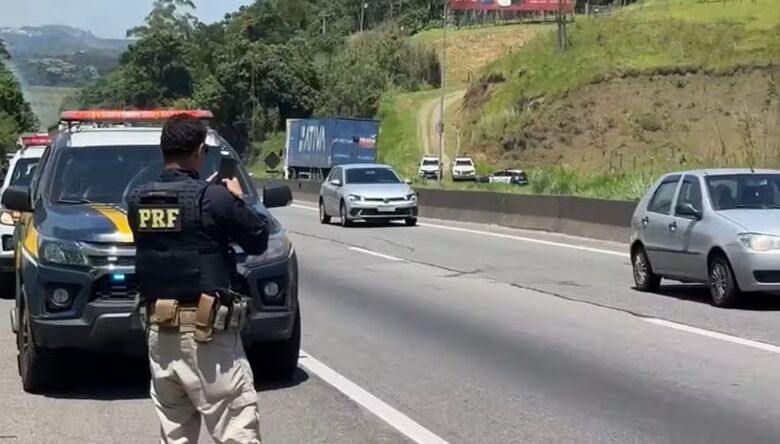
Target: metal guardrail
[(579, 216)]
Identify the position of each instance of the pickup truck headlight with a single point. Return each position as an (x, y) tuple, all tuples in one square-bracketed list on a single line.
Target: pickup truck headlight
[(278, 246), (7, 218), (355, 198), (61, 252), (759, 242)]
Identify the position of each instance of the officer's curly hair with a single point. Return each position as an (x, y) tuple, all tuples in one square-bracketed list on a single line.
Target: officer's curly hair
[(181, 135)]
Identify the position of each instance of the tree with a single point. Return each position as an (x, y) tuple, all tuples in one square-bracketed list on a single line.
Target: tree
[(166, 17), (4, 54)]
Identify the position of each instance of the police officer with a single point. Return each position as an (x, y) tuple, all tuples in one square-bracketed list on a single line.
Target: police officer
[(183, 226)]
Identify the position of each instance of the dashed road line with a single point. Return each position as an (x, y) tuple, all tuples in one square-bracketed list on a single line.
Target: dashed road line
[(374, 253), (715, 335), (506, 236)]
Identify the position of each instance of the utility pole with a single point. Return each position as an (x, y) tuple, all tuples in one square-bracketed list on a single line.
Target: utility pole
[(561, 27), (363, 8), (440, 124)]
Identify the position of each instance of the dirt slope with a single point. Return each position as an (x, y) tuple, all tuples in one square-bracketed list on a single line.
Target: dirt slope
[(642, 121)]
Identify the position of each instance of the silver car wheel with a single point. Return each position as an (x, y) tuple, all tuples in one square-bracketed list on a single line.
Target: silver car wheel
[(718, 281), (640, 269)]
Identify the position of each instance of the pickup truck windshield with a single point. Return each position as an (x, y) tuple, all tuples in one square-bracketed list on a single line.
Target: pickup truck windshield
[(23, 172), (108, 174)]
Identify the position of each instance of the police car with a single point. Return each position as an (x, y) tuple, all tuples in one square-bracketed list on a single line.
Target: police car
[(75, 254), (21, 167)]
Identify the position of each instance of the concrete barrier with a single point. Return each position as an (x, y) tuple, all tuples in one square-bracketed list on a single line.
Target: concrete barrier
[(578, 216)]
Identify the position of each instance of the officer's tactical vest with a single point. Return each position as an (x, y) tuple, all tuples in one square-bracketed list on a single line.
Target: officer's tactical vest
[(175, 258)]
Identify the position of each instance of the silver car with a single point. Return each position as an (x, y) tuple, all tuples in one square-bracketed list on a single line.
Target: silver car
[(366, 191), (719, 226)]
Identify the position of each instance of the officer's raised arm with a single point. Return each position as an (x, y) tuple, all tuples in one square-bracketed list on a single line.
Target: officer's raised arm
[(245, 227)]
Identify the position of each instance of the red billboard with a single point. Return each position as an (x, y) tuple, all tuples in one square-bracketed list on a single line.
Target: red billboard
[(512, 5)]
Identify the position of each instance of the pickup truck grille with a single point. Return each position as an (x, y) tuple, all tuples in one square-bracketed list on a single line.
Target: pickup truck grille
[(109, 288)]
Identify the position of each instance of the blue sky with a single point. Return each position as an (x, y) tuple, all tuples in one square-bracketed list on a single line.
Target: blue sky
[(105, 18)]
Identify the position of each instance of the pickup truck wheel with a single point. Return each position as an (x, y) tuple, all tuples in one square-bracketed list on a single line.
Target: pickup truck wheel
[(279, 360), (324, 218), (345, 222), (723, 287), (644, 278), (37, 366)]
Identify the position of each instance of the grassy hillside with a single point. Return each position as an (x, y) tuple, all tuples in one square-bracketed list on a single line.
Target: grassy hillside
[(664, 85), (470, 49), (405, 117)]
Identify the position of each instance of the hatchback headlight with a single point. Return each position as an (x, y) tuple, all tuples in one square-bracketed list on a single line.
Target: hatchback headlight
[(759, 242), (355, 198), (61, 252), (412, 197)]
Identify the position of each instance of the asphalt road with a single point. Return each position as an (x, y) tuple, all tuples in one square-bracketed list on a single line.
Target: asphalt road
[(479, 335), (496, 336)]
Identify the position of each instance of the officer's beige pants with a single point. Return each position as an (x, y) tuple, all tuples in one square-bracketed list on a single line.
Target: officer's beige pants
[(191, 380)]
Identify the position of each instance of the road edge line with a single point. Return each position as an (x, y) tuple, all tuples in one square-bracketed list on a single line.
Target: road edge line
[(405, 425)]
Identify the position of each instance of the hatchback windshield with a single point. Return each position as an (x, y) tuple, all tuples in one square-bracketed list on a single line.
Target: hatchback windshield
[(108, 174), (751, 191), (23, 172), (371, 175)]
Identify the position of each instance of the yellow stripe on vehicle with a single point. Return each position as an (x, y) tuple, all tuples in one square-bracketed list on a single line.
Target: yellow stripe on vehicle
[(117, 217), (30, 243)]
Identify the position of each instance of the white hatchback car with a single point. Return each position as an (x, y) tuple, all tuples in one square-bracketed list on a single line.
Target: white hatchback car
[(21, 168)]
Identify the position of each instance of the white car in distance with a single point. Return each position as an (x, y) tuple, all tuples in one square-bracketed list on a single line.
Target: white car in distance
[(463, 169)]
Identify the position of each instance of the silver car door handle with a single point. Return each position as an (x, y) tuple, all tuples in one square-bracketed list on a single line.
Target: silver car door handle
[(645, 221), (673, 226)]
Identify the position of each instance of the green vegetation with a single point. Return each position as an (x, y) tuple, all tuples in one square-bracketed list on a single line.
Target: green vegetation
[(269, 61), (15, 113), (658, 38)]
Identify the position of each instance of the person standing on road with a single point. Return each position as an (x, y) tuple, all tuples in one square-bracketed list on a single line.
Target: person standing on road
[(183, 227)]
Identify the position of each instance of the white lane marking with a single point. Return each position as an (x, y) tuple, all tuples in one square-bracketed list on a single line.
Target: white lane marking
[(506, 236), (525, 239), (715, 335), (374, 253), (396, 419)]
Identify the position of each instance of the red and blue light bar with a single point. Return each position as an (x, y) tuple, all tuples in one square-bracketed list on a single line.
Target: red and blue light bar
[(132, 115)]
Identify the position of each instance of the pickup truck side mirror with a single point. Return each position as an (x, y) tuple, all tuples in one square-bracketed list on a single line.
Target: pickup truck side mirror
[(17, 198), (276, 195)]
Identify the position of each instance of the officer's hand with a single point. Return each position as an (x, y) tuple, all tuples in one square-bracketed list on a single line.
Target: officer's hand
[(233, 186)]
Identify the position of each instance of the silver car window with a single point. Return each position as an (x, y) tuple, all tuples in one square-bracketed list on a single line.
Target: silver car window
[(690, 192), (663, 197)]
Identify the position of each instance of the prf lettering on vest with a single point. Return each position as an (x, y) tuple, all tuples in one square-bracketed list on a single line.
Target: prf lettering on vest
[(158, 218)]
